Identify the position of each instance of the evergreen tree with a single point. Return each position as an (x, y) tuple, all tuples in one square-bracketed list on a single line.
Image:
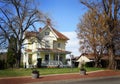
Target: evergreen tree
[(11, 58)]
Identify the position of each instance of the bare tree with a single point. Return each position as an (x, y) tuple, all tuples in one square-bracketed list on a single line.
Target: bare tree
[(110, 11), (17, 16)]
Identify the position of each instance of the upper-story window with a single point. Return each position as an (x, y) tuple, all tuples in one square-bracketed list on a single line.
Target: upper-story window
[(46, 33), (47, 44), (59, 45)]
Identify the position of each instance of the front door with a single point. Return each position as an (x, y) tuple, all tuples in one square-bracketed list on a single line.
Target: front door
[(30, 59), (47, 57)]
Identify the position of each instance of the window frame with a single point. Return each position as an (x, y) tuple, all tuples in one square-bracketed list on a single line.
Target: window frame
[(47, 33)]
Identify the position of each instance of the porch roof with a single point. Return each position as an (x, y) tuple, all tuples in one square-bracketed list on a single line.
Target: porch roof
[(53, 50)]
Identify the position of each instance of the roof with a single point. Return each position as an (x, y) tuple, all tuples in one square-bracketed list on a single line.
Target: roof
[(83, 58), (28, 50), (104, 57), (30, 34), (59, 35), (53, 50), (50, 50)]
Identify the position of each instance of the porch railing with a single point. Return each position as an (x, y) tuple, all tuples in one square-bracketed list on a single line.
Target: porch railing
[(52, 63)]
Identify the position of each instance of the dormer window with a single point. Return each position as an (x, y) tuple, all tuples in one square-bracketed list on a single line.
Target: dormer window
[(46, 33)]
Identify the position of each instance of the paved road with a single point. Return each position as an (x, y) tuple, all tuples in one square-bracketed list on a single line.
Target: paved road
[(114, 80), (107, 80)]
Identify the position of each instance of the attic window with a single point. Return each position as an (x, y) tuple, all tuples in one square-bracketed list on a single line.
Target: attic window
[(46, 33)]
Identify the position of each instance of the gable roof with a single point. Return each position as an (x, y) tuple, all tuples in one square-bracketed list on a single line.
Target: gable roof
[(58, 34), (30, 34)]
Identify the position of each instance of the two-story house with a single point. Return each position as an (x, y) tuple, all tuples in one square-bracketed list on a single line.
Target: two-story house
[(47, 44)]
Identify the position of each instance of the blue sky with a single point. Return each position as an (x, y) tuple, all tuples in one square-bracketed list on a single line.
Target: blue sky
[(65, 15)]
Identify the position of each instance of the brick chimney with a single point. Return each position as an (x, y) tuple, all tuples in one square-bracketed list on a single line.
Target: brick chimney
[(48, 21), (40, 29)]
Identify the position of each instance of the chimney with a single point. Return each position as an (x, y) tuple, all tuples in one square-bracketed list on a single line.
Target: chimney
[(40, 29), (48, 21)]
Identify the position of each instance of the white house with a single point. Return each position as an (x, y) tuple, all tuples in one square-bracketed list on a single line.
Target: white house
[(47, 44)]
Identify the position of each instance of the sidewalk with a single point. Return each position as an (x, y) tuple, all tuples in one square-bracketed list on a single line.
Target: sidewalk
[(72, 76)]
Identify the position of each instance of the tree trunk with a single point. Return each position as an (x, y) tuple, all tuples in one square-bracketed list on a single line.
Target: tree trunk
[(96, 64), (97, 58), (18, 59), (111, 59), (18, 56), (97, 61)]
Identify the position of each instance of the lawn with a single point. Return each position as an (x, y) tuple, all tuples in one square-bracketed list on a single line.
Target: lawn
[(43, 71)]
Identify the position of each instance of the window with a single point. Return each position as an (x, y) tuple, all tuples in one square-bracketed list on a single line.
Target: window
[(30, 59), (61, 58), (46, 57), (47, 45), (59, 45), (55, 57), (46, 33)]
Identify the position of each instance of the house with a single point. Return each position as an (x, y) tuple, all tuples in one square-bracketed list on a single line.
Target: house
[(105, 59), (48, 45), (72, 61), (83, 58)]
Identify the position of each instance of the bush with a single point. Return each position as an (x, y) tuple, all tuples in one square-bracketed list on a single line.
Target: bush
[(35, 72), (39, 61), (2, 64), (90, 64), (11, 61)]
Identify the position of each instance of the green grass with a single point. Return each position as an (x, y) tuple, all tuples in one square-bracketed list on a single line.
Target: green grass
[(43, 71)]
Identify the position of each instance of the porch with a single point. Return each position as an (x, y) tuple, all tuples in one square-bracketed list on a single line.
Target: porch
[(49, 58), (52, 57)]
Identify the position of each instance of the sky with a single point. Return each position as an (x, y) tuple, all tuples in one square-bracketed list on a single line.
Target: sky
[(65, 15)]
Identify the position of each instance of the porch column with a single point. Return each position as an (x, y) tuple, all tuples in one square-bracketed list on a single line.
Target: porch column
[(49, 58), (58, 58), (26, 60)]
